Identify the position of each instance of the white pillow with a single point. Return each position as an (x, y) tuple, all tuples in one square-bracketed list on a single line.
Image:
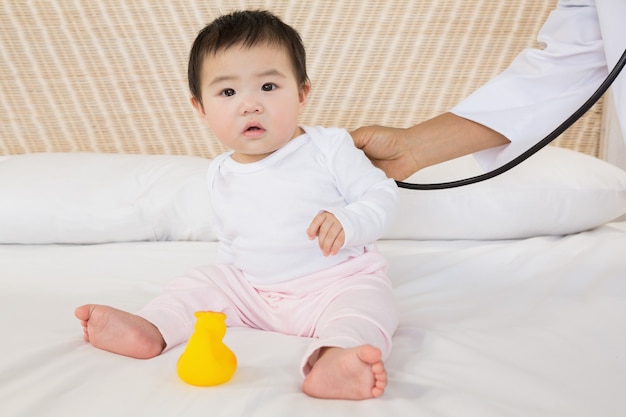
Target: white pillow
[(555, 192), (94, 198)]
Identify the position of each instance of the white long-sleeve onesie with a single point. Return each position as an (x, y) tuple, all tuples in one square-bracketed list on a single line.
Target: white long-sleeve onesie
[(263, 209)]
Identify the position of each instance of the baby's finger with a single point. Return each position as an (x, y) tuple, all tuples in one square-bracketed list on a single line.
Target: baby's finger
[(314, 228), (329, 232), (338, 243)]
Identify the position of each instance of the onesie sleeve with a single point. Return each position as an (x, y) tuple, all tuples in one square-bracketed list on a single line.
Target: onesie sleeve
[(372, 198), (224, 252), (541, 88)]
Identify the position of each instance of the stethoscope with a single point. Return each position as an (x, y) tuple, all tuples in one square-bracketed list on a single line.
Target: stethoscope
[(535, 148)]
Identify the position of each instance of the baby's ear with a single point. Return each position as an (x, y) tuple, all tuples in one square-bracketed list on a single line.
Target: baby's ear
[(197, 104), (304, 93)]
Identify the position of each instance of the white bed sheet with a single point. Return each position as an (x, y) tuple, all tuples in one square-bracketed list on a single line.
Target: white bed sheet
[(532, 327)]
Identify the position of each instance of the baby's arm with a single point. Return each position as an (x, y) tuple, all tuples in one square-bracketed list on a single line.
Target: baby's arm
[(370, 198), (329, 232)]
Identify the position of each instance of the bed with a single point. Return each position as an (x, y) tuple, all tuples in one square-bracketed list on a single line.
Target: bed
[(512, 292)]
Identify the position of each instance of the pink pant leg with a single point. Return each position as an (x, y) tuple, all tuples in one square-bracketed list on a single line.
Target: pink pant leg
[(363, 310), (207, 288)]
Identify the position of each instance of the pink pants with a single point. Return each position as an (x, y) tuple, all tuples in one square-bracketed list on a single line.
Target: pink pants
[(348, 305)]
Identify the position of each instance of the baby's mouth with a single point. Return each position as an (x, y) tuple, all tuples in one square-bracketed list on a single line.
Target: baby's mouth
[(253, 129)]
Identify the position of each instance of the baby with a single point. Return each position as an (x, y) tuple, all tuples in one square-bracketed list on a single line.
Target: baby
[(297, 211)]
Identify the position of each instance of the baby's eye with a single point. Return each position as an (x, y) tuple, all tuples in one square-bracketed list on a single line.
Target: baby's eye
[(269, 87), (228, 92)]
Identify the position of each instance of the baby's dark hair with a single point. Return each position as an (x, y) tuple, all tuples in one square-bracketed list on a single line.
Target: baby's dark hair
[(246, 28)]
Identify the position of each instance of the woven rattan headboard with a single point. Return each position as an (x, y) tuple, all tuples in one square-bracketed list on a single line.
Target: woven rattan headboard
[(110, 75)]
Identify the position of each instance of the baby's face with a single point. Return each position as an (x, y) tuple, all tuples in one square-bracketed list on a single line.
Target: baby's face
[(251, 99)]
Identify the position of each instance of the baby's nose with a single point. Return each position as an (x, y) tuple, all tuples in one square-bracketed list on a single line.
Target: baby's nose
[(250, 105)]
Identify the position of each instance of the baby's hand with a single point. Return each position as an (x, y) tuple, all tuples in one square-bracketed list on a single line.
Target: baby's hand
[(328, 231)]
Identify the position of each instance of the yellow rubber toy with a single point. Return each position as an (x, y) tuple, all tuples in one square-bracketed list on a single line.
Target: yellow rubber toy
[(207, 361)]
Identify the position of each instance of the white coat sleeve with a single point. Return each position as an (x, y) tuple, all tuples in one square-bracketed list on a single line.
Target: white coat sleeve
[(542, 87)]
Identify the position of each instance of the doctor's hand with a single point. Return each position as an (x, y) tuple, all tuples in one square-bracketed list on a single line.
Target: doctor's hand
[(388, 148), (401, 152), (329, 232)]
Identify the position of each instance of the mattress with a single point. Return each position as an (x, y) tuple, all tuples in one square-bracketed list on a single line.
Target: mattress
[(488, 328)]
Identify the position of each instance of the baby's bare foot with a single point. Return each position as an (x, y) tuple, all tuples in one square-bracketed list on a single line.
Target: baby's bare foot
[(350, 374), (118, 331)]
